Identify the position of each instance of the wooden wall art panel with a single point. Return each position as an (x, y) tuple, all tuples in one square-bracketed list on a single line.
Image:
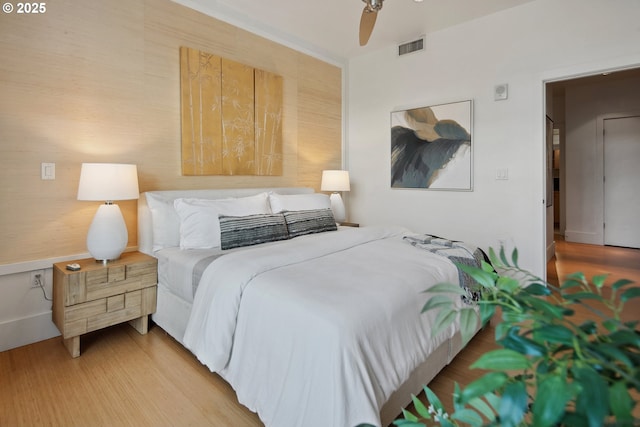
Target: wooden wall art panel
[(238, 124), (201, 94), (231, 117), (268, 123)]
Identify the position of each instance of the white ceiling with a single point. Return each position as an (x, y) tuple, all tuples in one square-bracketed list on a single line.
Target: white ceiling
[(329, 28)]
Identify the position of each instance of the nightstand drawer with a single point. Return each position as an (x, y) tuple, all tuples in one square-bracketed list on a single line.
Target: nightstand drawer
[(93, 315), (96, 284)]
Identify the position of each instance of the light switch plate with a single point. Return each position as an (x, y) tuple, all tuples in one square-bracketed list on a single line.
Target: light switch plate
[(502, 174), (48, 171)]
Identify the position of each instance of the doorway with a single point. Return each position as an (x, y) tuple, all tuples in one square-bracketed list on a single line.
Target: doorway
[(575, 106)]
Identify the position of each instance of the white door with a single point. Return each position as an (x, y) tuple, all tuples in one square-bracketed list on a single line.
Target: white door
[(622, 181)]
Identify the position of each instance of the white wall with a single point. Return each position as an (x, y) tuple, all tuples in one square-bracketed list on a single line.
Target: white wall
[(26, 314), (522, 46), (586, 103)]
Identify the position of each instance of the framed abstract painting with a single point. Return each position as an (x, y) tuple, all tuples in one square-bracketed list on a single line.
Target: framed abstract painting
[(431, 147)]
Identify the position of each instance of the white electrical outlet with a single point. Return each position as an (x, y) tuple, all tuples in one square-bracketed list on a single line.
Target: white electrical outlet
[(36, 279)]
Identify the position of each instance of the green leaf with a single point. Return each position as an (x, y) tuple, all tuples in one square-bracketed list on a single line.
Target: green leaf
[(409, 416), (538, 289), (437, 301), (446, 288), (625, 337), (578, 276), (468, 416), (592, 401), (481, 406), (513, 317), (589, 327), (446, 423), (611, 325), (503, 257), (420, 408), (514, 257), (630, 293), (599, 280), (620, 402), (550, 401), (486, 280), (468, 324), (487, 267), (508, 284), (555, 334), (432, 398), (620, 283), (513, 404), (579, 296), (502, 359), (494, 401), (571, 419), (486, 312), (456, 397), (443, 320), (545, 308), (483, 385), (523, 345), (570, 283), (408, 423)]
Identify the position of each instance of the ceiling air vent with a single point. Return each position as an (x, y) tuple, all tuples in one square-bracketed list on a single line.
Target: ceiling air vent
[(410, 47)]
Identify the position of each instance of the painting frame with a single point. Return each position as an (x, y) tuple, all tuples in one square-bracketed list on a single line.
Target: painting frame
[(432, 147)]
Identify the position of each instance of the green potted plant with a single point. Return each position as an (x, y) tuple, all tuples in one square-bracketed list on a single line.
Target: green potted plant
[(550, 370)]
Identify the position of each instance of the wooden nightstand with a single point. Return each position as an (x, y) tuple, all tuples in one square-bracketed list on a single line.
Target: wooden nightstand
[(97, 296)]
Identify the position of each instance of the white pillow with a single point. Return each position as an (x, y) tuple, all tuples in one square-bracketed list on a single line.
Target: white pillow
[(298, 202), (164, 221), (199, 224)]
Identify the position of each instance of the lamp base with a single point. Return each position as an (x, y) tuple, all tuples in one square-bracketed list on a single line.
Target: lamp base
[(107, 237), (337, 207)]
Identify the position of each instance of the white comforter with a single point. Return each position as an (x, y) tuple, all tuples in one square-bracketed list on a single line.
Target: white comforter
[(321, 329)]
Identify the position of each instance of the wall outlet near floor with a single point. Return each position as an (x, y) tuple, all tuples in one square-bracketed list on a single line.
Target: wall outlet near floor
[(36, 279)]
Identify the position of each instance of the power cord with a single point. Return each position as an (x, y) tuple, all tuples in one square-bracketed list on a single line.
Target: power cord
[(38, 279)]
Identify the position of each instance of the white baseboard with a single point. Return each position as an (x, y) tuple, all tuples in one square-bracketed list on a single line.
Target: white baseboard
[(589, 238), (27, 330), (551, 250)]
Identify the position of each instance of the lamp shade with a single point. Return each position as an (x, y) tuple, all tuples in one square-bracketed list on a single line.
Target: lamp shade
[(108, 182), (335, 180)]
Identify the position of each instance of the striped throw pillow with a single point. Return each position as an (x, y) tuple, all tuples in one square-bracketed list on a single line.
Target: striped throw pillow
[(237, 231), (309, 222)]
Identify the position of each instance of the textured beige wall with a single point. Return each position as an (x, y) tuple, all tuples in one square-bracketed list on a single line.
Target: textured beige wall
[(99, 82)]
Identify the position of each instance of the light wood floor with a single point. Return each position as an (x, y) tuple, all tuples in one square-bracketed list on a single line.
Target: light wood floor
[(126, 379)]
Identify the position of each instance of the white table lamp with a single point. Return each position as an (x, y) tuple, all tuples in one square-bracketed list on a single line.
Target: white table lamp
[(334, 181), (107, 236)]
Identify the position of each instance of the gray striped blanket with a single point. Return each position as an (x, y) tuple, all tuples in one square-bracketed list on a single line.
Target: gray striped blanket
[(457, 252)]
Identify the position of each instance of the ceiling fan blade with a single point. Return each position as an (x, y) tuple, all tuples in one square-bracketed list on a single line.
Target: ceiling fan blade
[(367, 22)]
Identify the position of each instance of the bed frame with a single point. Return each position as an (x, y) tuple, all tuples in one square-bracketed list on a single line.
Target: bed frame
[(174, 321)]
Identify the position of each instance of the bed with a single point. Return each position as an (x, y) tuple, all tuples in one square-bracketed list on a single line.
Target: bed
[(320, 329)]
